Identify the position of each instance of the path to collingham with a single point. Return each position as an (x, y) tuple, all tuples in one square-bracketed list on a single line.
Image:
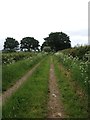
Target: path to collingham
[(55, 106)]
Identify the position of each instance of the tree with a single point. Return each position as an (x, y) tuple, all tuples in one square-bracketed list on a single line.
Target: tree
[(29, 43), (11, 44), (44, 45), (57, 41)]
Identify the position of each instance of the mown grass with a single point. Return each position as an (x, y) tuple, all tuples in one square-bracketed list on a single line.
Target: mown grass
[(12, 72), (75, 106), (30, 100)]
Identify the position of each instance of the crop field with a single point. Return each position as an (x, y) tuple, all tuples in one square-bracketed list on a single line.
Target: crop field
[(46, 84)]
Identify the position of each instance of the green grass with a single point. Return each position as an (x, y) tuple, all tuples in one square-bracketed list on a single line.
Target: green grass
[(30, 100), (79, 69), (11, 73), (11, 57), (75, 106), (0, 109)]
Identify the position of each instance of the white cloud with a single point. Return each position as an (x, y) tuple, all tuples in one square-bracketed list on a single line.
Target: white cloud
[(37, 18)]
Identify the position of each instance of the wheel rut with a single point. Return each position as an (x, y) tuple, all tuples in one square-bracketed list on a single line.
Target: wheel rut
[(12, 89), (55, 106)]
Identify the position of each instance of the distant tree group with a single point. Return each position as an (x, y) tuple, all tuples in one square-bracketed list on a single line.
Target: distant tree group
[(57, 41), (29, 43), (11, 44)]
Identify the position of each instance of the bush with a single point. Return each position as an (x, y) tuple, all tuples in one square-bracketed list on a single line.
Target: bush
[(78, 52)]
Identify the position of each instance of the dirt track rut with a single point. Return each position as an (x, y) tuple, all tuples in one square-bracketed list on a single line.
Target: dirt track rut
[(55, 106), (11, 90)]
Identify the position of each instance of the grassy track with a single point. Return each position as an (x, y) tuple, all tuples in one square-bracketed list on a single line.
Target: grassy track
[(79, 69), (11, 73), (30, 101), (75, 106)]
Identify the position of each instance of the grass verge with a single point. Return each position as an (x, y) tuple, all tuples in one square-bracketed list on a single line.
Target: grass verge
[(75, 106), (11, 73), (30, 100)]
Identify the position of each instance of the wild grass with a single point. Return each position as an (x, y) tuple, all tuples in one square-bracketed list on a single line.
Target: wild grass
[(79, 51), (12, 72), (75, 106), (12, 57), (79, 69), (30, 100)]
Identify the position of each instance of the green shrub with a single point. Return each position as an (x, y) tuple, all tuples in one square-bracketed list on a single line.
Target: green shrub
[(78, 52)]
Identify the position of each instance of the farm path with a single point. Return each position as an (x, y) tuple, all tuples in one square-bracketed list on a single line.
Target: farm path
[(55, 106), (11, 90)]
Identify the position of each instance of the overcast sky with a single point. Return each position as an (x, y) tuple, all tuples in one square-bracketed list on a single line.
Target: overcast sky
[(38, 18)]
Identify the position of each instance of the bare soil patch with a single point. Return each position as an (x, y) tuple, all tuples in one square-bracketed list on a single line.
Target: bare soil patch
[(55, 106)]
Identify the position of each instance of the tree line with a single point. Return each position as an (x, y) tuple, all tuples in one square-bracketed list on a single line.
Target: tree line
[(54, 42)]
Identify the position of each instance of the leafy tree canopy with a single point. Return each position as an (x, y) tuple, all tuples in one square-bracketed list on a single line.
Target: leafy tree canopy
[(29, 43), (11, 44), (57, 41)]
